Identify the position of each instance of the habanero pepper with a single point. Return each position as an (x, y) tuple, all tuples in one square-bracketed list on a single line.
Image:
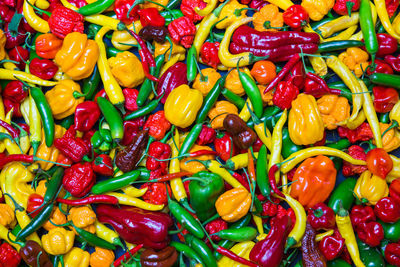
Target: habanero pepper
[(157, 151), (370, 233), (188, 9), (158, 125), (392, 254), (154, 33), (86, 115), (214, 227), (64, 21), (15, 91), (388, 210), (71, 146), (209, 54), (103, 165), (151, 16), (225, 147), (284, 94), (165, 257), (9, 256), (156, 193), (320, 216), (79, 179), (345, 7), (384, 98), (296, 17), (394, 190), (332, 246)]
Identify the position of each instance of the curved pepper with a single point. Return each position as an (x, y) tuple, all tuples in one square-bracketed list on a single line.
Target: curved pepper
[(241, 249), (371, 188)]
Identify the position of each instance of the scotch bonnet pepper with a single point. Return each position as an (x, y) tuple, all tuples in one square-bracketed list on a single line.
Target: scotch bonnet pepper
[(86, 115), (64, 21), (371, 188), (127, 69), (79, 179)]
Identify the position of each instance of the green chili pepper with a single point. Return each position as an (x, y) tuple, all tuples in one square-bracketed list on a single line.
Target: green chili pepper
[(338, 45), (67, 122), (271, 116), (53, 186), (288, 147), (190, 139), (391, 230), (92, 30), (173, 4), (246, 233), (36, 223), (343, 193), (261, 172), (389, 80), (45, 114), (95, 8), (146, 88), (370, 256), (144, 110), (210, 99), (384, 117), (91, 83), (191, 64), (368, 29), (112, 51), (176, 13), (338, 263), (115, 183), (233, 98), (93, 239), (112, 117), (341, 144), (252, 92), (16, 230), (203, 250), (317, 24), (187, 251)]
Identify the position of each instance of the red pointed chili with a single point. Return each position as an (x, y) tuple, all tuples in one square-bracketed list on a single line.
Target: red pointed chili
[(89, 200), (24, 158), (13, 132), (127, 255), (202, 153), (227, 253), (171, 176), (271, 177)]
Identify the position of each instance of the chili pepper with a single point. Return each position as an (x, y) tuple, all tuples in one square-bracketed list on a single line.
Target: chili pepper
[(387, 44), (312, 256), (361, 214), (35, 204), (284, 94), (379, 162), (356, 152), (384, 98), (150, 16), (20, 55), (320, 216), (94, 8), (115, 183), (169, 16), (86, 115), (238, 235), (368, 29), (216, 226), (34, 255), (102, 165), (345, 7), (188, 9), (121, 8), (206, 136), (143, 111), (187, 251), (128, 158), (43, 68), (296, 16), (391, 230), (361, 133), (332, 246), (158, 151), (370, 256), (392, 253), (384, 79), (387, 209), (370, 233), (154, 33), (158, 125), (127, 255), (136, 225), (104, 199), (131, 129), (190, 139), (164, 257), (130, 98), (14, 90), (156, 193), (209, 54), (285, 70), (9, 256), (79, 179), (338, 45), (112, 117), (243, 136), (171, 176), (64, 21)]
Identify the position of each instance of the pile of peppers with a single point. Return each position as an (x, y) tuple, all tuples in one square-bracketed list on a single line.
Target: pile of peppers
[(199, 133)]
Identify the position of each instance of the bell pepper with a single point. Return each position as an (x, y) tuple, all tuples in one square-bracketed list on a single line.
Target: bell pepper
[(381, 66), (43, 68), (58, 241), (188, 9), (209, 54), (137, 226), (296, 17), (47, 45), (317, 9), (79, 179), (182, 30), (233, 204), (305, 122), (332, 246), (188, 101), (225, 147), (371, 188), (370, 233), (345, 7), (218, 113), (61, 99), (101, 257), (392, 254), (64, 21), (127, 69), (355, 59), (204, 192), (9, 256), (76, 257), (173, 78), (270, 251), (384, 98), (268, 18), (241, 249), (320, 216), (7, 217), (333, 109), (387, 209), (317, 174), (77, 56), (83, 217), (86, 115), (284, 94)]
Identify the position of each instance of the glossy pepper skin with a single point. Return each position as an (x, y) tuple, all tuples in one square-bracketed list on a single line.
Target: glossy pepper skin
[(14, 90), (182, 30), (320, 216), (187, 7), (387, 209), (172, 78), (137, 226), (344, 7), (312, 256), (207, 136), (361, 214), (154, 33), (158, 125), (393, 61), (387, 44), (43, 68), (370, 233), (269, 251), (30, 253), (121, 8), (19, 54), (71, 146), (9, 256), (165, 257), (243, 136), (296, 16), (151, 16), (103, 165), (79, 179), (392, 254), (285, 93), (371, 188), (209, 54), (47, 45), (204, 192), (379, 162), (384, 98), (380, 67), (332, 246), (394, 190), (225, 147), (86, 115), (64, 21)]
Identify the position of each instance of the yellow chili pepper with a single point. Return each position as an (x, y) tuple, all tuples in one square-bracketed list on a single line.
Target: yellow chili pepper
[(76, 257), (259, 224), (263, 133), (7, 217), (357, 122), (12, 147), (101, 257), (211, 4), (277, 144), (13, 75), (35, 124), (106, 21), (241, 249), (344, 35), (211, 77), (239, 161), (333, 109), (132, 201), (282, 4), (122, 40), (36, 22), (4, 234), (107, 234), (113, 90), (218, 113), (339, 24), (215, 167), (133, 191), (303, 154), (371, 188), (233, 204), (319, 65), (395, 172), (384, 18), (396, 24), (171, 62), (127, 69), (345, 228), (9, 65), (245, 113), (58, 241), (318, 237)]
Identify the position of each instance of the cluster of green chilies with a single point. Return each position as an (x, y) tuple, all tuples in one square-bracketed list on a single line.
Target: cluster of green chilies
[(199, 133)]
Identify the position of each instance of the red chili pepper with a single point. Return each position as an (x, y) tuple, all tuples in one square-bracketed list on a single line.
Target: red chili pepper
[(103, 165), (188, 6), (171, 176), (380, 67), (11, 130), (384, 98), (71, 146), (316, 86), (391, 6), (156, 193), (331, 246), (16, 157), (225, 147), (34, 205), (121, 8), (370, 233), (387, 209), (270, 208), (127, 255), (345, 7), (296, 17), (207, 136), (43, 68), (361, 214), (86, 115), (392, 254), (379, 162), (151, 16), (320, 216), (20, 55), (9, 256), (271, 177), (231, 255), (387, 44), (284, 94), (161, 151), (158, 125), (258, 4), (199, 153), (209, 54), (182, 30), (241, 179), (130, 98), (356, 152), (214, 227), (64, 20), (297, 75), (394, 190), (361, 133), (105, 199), (131, 129), (79, 179)]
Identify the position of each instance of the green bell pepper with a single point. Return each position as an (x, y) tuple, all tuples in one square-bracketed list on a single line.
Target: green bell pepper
[(343, 193), (391, 230), (370, 256)]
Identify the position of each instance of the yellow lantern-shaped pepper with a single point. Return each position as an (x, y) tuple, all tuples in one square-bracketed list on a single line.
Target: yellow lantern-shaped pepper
[(57, 218), (305, 122), (61, 99), (127, 69), (182, 106), (122, 40), (317, 9), (241, 249), (77, 257), (194, 166), (58, 241), (333, 109), (206, 83), (164, 49), (371, 188), (233, 204), (394, 114), (77, 56), (229, 11), (355, 59), (83, 217), (391, 138)]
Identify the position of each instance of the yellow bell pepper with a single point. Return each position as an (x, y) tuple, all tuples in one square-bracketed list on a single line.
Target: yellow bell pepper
[(317, 9), (355, 59), (182, 105), (205, 85), (178, 51), (77, 56), (127, 69), (83, 217), (391, 139), (241, 249), (333, 109), (58, 241), (339, 24), (61, 99), (7, 217), (268, 16), (233, 204), (218, 113), (76, 257), (194, 166), (229, 11), (57, 218), (371, 188), (232, 82), (3, 40), (101, 257), (395, 172), (122, 40), (305, 122)]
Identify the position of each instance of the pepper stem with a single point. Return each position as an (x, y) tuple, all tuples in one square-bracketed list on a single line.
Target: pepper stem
[(238, 12), (16, 205), (22, 244), (202, 77), (184, 202), (163, 6), (77, 94), (212, 27), (393, 125), (349, 6), (39, 10)]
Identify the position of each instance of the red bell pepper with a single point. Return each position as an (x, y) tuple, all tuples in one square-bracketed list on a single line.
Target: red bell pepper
[(387, 44), (86, 115), (64, 20), (320, 216), (131, 129), (182, 30), (158, 125), (9, 256), (209, 54), (224, 146), (15, 91), (214, 227), (331, 246), (103, 165), (20, 55), (207, 136), (156, 193), (296, 17), (384, 98), (79, 179), (34, 202), (188, 6), (71, 146), (379, 162), (284, 94), (370, 233), (361, 214), (356, 152), (394, 190), (130, 98), (158, 151), (345, 7), (392, 254), (387, 209), (43, 68), (121, 8), (361, 133), (151, 16)]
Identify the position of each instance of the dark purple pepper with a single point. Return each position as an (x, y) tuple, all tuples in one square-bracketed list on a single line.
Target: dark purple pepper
[(243, 136), (171, 79), (127, 159), (153, 33)]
